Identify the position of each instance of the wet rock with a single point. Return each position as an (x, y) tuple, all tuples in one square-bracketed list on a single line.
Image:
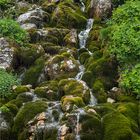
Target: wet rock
[(32, 16), (6, 54), (52, 35), (23, 6), (100, 9), (71, 38), (28, 26), (4, 128), (110, 100), (26, 113), (59, 66)]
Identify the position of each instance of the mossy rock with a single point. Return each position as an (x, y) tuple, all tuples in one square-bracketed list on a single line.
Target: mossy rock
[(71, 16), (32, 75), (25, 97), (74, 88), (51, 48), (99, 91), (116, 127), (88, 78), (61, 66), (83, 57), (91, 127), (71, 39), (104, 108), (104, 68), (12, 108), (26, 113), (67, 103), (27, 55), (48, 90), (130, 110)]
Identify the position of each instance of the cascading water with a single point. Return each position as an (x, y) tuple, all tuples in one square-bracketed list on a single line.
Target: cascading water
[(83, 35)]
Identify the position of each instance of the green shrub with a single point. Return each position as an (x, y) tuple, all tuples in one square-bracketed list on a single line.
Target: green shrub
[(4, 3), (6, 82), (12, 30), (128, 12), (125, 42), (130, 80)]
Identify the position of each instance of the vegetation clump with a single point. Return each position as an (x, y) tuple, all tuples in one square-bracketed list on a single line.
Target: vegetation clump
[(6, 82), (12, 30)]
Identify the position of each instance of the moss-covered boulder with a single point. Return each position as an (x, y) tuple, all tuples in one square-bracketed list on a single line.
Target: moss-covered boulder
[(75, 88), (61, 66), (91, 127), (71, 16), (52, 35), (68, 102), (34, 75), (48, 90), (26, 56), (26, 113), (116, 127)]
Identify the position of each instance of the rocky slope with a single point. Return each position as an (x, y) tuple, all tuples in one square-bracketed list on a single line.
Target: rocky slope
[(68, 87)]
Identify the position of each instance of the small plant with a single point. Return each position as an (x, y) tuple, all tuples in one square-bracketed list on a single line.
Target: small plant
[(130, 80), (12, 30), (4, 4), (6, 82)]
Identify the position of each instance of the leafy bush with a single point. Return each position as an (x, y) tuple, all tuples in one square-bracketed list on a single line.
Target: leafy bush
[(6, 82), (130, 80), (124, 32), (11, 29), (125, 43), (128, 12), (4, 3)]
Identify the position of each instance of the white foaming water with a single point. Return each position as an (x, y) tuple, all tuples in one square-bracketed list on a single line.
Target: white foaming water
[(82, 6), (81, 72), (93, 100), (83, 35)]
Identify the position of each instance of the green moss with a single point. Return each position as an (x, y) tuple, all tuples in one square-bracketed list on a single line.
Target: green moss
[(91, 127), (21, 89), (26, 113), (75, 88), (105, 108), (70, 14), (12, 108), (32, 74), (83, 57), (67, 102), (27, 55), (48, 90), (116, 127), (88, 78)]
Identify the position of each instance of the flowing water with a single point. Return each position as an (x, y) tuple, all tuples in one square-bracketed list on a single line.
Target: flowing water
[(83, 36)]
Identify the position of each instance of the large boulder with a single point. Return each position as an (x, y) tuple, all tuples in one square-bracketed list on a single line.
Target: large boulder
[(61, 66), (34, 16)]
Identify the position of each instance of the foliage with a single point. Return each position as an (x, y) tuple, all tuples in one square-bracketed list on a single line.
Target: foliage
[(6, 82), (4, 4), (11, 29), (130, 79), (128, 12), (125, 42)]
